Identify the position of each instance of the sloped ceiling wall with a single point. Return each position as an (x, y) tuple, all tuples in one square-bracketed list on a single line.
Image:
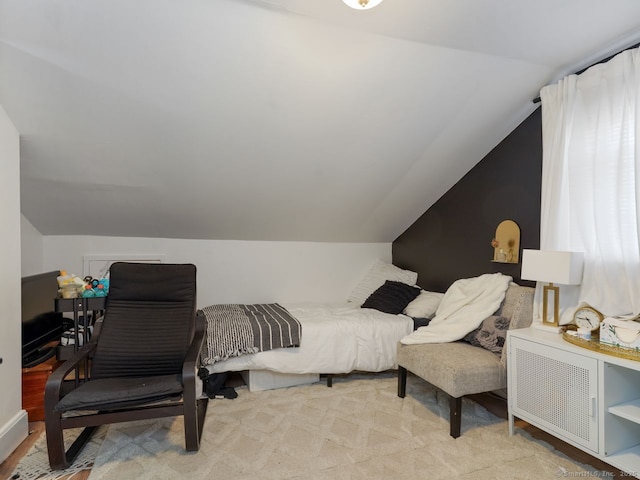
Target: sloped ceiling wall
[(274, 119)]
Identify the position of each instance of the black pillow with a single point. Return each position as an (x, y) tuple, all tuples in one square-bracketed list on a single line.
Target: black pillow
[(392, 297)]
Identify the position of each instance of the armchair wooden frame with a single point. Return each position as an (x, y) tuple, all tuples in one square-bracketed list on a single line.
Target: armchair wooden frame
[(191, 408)]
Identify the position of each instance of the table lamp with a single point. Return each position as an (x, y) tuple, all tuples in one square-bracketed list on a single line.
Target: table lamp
[(552, 267)]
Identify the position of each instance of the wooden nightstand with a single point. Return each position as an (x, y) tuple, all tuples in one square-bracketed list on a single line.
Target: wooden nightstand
[(33, 382)]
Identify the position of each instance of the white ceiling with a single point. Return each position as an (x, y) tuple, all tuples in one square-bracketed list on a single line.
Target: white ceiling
[(274, 119)]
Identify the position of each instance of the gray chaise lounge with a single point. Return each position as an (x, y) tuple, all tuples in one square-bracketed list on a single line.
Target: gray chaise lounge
[(459, 368)]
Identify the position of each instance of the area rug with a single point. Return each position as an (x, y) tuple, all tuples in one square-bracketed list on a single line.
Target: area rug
[(359, 429), (35, 464)]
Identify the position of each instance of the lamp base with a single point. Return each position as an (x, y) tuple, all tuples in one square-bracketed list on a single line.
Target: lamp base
[(547, 328)]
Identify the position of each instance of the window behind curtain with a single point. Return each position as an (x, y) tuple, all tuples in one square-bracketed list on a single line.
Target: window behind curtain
[(591, 180)]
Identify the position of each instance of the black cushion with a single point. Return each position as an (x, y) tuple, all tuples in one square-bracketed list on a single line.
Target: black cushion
[(392, 297), (120, 392), (141, 282), (149, 320)]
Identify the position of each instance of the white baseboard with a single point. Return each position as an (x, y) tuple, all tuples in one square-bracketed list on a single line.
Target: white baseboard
[(13, 434)]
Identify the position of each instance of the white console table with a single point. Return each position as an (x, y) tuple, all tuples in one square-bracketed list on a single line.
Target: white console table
[(586, 398)]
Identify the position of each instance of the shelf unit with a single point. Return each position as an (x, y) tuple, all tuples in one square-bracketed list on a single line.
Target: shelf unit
[(627, 410), (586, 398), (80, 307), (621, 394)]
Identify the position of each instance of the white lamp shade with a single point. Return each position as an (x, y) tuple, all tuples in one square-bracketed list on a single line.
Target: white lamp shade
[(564, 268), (362, 4)]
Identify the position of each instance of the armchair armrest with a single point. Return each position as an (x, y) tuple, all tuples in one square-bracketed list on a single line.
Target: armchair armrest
[(53, 387), (192, 359)]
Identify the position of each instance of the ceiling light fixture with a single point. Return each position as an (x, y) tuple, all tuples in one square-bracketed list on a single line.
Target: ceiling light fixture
[(362, 4)]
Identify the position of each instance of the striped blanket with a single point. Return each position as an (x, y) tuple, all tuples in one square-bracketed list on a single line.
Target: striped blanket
[(234, 330)]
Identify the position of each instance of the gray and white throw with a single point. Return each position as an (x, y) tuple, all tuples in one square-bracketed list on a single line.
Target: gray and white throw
[(234, 330)]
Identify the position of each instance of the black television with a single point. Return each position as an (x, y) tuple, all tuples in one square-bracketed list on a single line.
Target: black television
[(41, 325)]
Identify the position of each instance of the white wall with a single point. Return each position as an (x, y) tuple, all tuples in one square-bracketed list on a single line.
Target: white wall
[(32, 246), (13, 420), (238, 271)]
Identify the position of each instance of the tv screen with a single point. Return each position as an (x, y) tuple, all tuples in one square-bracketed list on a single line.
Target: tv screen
[(41, 325)]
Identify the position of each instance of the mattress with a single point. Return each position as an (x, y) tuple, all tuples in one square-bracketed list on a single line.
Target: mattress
[(336, 338)]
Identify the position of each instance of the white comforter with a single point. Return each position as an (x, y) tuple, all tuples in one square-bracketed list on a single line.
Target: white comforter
[(337, 338), (464, 306)]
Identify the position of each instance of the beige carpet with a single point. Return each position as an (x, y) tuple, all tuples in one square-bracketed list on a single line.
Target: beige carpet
[(35, 464), (359, 429)]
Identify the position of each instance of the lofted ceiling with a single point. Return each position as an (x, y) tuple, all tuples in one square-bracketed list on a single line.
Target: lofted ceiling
[(274, 119)]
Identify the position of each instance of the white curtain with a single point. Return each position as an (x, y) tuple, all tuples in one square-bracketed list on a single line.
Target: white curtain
[(591, 181)]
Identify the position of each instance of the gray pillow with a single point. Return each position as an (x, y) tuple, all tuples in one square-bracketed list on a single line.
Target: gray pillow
[(491, 334)]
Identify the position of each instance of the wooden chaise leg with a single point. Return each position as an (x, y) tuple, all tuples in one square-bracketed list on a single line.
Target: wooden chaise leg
[(455, 414), (402, 381)]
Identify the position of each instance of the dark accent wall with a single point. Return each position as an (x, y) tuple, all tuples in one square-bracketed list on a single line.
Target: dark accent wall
[(451, 240)]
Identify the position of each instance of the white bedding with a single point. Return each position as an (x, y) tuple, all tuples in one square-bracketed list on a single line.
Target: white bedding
[(336, 338)]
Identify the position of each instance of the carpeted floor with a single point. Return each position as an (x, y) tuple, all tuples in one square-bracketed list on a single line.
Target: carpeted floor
[(35, 464), (359, 429)]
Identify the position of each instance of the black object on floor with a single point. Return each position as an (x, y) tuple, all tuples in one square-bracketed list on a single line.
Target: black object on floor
[(213, 384)]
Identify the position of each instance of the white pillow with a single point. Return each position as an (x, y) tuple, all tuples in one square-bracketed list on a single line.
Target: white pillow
[(425, 305), (379, 273)]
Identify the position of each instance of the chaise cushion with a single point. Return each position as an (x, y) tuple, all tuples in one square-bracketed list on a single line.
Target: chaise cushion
[(461, 369), (457, 368)]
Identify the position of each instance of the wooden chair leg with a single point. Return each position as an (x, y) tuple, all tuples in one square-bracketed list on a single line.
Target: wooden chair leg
[(191, 437), (194, 413), (402, 381), (55, 442), (58, 458), (203, 403), (455, 415), (194, 424)]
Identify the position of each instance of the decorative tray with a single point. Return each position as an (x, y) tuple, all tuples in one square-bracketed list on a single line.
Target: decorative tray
[(595, 345)]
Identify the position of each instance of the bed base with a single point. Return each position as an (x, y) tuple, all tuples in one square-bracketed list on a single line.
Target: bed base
[(258, 380)]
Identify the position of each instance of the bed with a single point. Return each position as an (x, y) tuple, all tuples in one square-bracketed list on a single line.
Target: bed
[(360, 334), (336, 338)]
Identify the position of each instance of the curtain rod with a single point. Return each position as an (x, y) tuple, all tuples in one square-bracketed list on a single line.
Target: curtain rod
[(604, 60)]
